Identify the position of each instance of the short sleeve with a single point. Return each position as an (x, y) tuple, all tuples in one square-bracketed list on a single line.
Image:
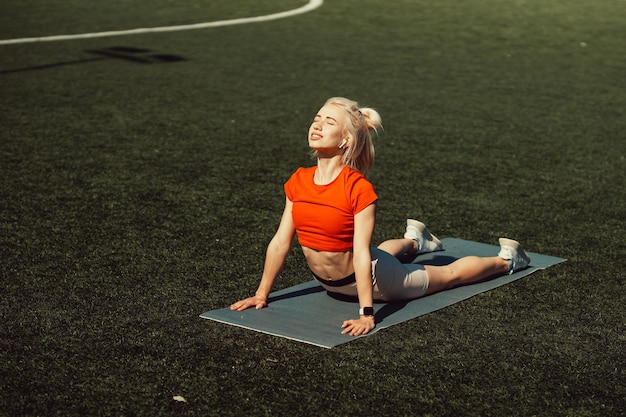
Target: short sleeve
[(292, 184), (362, 193)]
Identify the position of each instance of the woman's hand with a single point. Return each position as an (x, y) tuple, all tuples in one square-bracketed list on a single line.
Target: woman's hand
[(358, 327), (256, 301)]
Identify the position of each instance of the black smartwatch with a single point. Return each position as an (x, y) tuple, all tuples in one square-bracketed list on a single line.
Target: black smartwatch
[(366, 311)]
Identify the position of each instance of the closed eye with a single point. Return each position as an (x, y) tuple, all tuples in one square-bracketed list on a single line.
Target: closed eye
[(329, 120)]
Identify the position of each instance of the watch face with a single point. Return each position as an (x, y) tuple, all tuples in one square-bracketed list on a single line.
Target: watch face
[(367, 311)]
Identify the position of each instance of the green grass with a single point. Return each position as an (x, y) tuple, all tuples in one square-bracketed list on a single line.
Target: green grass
[(134, 197)]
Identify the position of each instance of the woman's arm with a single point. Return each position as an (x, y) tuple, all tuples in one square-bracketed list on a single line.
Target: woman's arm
[(275, 256), (364, 222)]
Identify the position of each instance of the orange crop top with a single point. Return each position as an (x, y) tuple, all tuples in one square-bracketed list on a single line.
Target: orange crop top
[(324, 214)]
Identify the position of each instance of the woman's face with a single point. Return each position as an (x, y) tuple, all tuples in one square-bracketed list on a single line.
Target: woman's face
[(327, 130)]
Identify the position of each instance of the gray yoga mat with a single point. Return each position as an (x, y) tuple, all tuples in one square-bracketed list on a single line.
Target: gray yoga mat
[(306, 313)]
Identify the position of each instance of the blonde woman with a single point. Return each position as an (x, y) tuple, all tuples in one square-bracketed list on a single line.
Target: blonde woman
[(332, 208)]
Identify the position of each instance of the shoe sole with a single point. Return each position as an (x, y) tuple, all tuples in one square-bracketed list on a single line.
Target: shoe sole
[(422, 228), (516, 246)]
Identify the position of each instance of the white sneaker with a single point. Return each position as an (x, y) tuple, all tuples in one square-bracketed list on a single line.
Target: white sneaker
[(512, 251), (425, 241)]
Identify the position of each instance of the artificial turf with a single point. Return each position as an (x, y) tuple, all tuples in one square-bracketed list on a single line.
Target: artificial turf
[(137, 192)]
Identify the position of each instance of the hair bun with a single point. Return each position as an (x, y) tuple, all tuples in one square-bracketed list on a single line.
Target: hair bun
[(373, 120)]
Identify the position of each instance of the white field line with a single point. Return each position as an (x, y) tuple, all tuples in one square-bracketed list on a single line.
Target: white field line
[(311, 5)]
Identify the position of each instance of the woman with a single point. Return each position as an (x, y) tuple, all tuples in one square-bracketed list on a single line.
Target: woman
[(332, 207)]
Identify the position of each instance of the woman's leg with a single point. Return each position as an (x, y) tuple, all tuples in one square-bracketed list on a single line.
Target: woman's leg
[(398, 247), (464, 271), (417, 239)]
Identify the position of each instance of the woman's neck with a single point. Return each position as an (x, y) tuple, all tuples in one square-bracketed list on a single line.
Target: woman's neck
[(327, 170)]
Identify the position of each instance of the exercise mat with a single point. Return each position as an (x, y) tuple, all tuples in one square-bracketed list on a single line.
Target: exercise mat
[(306, 313)]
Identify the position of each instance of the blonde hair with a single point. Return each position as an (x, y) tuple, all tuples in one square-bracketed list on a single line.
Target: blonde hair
[(361, 122)]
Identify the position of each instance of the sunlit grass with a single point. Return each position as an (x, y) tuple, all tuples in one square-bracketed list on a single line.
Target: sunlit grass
[(136, 195)]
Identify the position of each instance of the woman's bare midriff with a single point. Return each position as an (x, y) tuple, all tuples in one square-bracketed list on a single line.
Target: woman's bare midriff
[(329, 265)]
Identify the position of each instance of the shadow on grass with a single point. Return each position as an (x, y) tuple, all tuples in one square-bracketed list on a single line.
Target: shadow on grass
[(123, 53)]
